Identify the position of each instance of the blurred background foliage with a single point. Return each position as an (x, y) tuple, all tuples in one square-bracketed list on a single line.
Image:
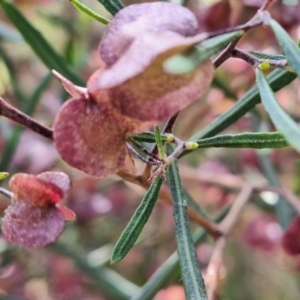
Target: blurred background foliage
[(77, 266)]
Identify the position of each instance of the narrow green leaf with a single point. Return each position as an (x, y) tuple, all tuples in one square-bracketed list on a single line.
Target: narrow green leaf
[(113, 6), (38, 43), (257, 140), (13, 75), (285, 212), (89, 12), (263, 55), (159, 143), (193, 204), (137, 222), (191, 275), (280, 118), (109, 282), (277, 80), (3, 175), (191, 59), (289, 47)]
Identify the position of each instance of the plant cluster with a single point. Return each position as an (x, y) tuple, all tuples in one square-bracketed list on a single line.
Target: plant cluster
[(154, 63)]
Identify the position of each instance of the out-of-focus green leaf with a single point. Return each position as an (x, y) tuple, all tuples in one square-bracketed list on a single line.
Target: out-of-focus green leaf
[(28, 108), (280, 118), (257, 140), (109, 282), (38, 43), (277, 80), (263, 55), (3, 175), (285, 212), (289, 47), (89, 12), (290, 2), (193, 204), (191, 59), (137, 222), (13, 76), (113, 6), (190, 269)]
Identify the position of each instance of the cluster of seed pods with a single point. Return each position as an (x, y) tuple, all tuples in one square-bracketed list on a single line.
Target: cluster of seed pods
[(133, 91)]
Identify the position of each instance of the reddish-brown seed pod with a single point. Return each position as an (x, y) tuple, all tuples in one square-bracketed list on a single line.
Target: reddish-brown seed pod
[(291, 238), (137, 20), (34, 218)]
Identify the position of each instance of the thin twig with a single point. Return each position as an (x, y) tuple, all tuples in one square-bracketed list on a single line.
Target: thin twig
[(213, 274), (143, 149), (267, 4), (6, 193), (19, 117), (228, 223), (167, 129), (150, 160), (225, 54), (259, 19)]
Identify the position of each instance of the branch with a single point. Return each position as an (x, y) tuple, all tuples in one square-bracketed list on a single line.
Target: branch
[(8, 111), (213, 273), (266, 5)]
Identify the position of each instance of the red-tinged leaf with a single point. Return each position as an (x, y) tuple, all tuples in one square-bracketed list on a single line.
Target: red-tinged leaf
[(155, 95), (136, 20), (291, 238), (35, 191), (32, 226), (58, 179), (68, 213), (90, 137), (102, 98)]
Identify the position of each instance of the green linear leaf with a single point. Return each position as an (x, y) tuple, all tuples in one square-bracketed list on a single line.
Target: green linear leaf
[(113, 6), (147, 137), (159, 143), (12, 76), (191, 59), (289, 47), (194, 205), (108, 281), (277, 80), (256, 140), (89, 12), (170, 267), (191, 275), (285, 212), (137, 222), (267, 56), (280, 118), (38, 43)]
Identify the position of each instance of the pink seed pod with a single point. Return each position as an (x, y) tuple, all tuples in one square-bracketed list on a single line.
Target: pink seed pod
[(137, 20)]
